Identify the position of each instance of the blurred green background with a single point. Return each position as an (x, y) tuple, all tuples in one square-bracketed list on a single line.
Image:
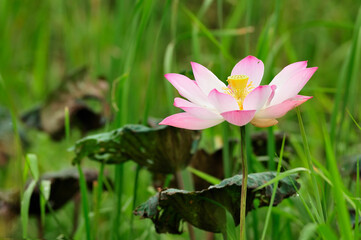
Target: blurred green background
[(132, 44)]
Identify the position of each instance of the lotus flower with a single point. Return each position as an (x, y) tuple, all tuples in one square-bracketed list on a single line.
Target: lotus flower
[(244, 100)]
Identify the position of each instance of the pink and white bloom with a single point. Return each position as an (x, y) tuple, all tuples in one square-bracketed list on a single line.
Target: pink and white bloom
[(244, 100)]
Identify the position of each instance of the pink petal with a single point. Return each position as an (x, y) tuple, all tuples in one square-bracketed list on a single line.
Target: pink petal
[(257, 98), (202, 113), (187, 121), (263, 122), (279, 110), (274, 87), (205, 79), (222, 102), (288, 72), (180, 102), (239, 117), (195, 110), (252, 67), (293, 86), (187, 88)]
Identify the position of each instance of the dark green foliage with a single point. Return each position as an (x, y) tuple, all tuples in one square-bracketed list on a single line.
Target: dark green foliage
[(206, 209), (7, 137), (161, 149), (350, 165)]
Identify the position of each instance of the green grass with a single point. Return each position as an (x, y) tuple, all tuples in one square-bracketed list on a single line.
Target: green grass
[(133, 44)]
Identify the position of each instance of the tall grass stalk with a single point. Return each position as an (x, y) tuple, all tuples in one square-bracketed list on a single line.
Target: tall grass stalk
[(347, 80), (82, 182), (233, 22), (84, 203), (275, 186), (32, 165), (148, 103), (319, 211), (341, 207), (352, 92), (44, 197), (249, 4), (99, 191), (42, 54), (169, 55), (140, 19), (354, 120), (208, 34)]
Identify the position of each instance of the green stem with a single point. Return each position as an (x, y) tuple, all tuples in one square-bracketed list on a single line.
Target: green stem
[(249, 152), (84, 202), (242, 218)]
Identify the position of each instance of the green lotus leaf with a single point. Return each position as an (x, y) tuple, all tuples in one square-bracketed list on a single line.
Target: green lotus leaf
[(161, 149), (206, 209)]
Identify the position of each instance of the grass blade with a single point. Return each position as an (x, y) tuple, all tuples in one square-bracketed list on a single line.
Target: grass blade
[(84, 202), (342, 212), (354, 120), (208, 33), (319, 210), (326, 232), (25, 203), (283, 175), (204, 176), (275, 186), (348, 78), (32, 162), (44, 197)]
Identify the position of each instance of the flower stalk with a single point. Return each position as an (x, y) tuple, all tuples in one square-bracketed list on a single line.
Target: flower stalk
[(242, 218)]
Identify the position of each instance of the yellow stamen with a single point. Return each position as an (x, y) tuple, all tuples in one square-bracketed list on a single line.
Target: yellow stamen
[(238, 84), (239, 88)]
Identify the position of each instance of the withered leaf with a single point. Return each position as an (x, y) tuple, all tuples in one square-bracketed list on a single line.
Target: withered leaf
[(206, 209), (74, 93), (161, 149), (210, 163), (64, 186)]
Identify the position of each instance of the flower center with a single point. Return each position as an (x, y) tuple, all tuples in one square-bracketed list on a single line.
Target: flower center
[(239, 88)]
